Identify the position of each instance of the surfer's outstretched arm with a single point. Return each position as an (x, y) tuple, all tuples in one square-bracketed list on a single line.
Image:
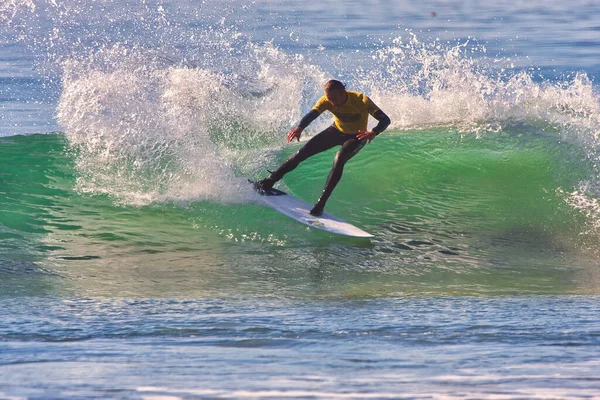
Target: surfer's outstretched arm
[(308, 118), (304, 122)]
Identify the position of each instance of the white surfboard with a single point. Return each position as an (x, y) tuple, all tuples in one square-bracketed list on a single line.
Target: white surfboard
[(300, 211)]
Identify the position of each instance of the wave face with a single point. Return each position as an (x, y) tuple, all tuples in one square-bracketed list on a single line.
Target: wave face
[(452, 213), (486, 179)]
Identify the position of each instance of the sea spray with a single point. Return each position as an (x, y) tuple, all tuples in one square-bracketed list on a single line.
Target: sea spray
[(145, 131), (458, 84)]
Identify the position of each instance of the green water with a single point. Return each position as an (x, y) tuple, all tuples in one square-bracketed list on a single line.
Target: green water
[(452, 213)]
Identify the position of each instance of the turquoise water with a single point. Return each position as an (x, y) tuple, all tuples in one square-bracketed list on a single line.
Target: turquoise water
[(135, 261)]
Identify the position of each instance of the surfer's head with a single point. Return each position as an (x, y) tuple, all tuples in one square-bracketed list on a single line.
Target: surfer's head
[(335, 91)]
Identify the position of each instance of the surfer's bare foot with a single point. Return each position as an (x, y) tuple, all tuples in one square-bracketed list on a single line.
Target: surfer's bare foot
[(264, 185), (317, 210)]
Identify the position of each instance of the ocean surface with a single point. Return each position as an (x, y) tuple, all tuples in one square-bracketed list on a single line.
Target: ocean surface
[(136, 262)]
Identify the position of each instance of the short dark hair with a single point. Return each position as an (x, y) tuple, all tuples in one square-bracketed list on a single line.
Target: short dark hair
[(334, 85)]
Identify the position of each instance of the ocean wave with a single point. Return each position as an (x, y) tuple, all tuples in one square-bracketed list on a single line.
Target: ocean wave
[(157, 108)]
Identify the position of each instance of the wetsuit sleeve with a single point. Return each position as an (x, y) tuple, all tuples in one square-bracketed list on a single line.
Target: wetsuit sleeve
[(384, 122), (308, 118), (322, 105)]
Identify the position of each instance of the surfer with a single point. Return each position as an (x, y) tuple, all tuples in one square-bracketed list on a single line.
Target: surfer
[(351, 112)]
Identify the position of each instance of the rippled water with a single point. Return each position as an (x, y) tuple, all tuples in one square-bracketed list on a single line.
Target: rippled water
[(510, 347)]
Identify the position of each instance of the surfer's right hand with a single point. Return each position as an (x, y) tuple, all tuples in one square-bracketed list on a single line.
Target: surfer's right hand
[(294, 133)]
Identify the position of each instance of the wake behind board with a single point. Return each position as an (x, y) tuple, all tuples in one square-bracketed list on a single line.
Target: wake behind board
[(299, 211)]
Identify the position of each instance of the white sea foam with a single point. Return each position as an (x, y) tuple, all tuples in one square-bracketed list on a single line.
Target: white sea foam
[(421, 84), (148, 132), (9, 8), (160, 393)]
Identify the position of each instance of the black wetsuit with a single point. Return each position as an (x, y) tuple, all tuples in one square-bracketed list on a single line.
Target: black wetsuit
[(325, 140)]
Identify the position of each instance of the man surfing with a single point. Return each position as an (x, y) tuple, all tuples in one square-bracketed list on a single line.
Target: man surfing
[(351, 112)]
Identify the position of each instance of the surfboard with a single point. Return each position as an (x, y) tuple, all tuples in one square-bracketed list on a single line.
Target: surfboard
[(299, 210)]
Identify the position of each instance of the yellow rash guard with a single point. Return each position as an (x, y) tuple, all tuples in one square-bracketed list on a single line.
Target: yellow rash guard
[(353, 115)]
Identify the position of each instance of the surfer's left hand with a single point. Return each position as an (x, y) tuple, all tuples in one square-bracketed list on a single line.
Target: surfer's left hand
[(368, 135)]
